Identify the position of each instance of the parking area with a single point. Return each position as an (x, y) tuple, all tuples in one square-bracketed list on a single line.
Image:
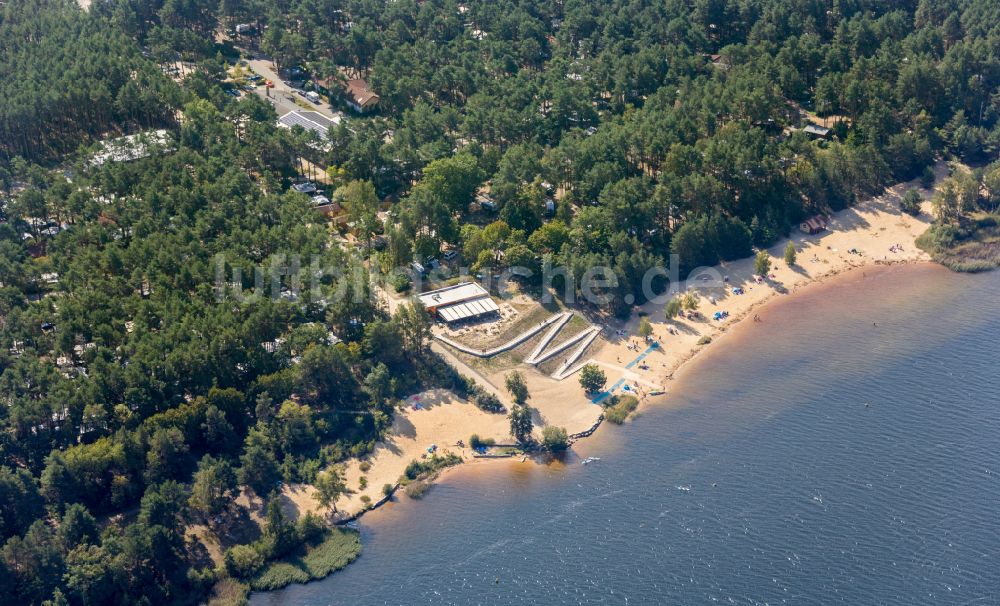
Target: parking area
[(285, 97)]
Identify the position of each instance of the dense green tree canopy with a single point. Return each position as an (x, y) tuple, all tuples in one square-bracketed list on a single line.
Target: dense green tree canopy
[(149, 366)]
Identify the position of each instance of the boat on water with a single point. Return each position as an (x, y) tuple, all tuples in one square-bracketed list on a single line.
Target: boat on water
[(589, 460)]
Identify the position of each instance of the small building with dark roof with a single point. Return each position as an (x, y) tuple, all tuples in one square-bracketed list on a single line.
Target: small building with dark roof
[(817, 132), (814, 224)]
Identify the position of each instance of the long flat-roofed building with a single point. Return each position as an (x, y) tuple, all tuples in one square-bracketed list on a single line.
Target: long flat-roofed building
[(309, 120), (460, 302)]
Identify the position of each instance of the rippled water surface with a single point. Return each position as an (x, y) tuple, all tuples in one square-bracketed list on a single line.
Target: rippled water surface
[(844, 451)]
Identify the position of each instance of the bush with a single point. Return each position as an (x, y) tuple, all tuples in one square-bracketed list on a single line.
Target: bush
[(413, 469), (428, 467), (366, 500), (927, 178), (488, 402), (790, 254), (970, 248), (242, 561), (910, 203), (554, 438), (673, 307), (417, 490), (387, 489), (705, 340), (229, 592), (762, 264), (365, 466), (401, 282), (938, 237), (621, 408), (645, 328), (475, 441), (360, 449), (310, 528)]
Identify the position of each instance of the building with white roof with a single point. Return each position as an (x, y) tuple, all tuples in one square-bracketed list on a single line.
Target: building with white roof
[(460, 302), (309, 120)]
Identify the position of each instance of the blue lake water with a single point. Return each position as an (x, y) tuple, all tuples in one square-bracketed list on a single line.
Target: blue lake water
[(844, 451)]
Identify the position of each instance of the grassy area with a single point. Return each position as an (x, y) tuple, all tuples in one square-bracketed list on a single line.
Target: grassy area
[(528, 315), (576, 324), (501, 361), (619, 411), (339, 547), (229, 592), (552, 364), (970, 247), (510, 359), (302, 103)]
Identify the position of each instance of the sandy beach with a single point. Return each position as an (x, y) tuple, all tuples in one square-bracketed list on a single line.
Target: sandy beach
[(874, 232), (433, 417)]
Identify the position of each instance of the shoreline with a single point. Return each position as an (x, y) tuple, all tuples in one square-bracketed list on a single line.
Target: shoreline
[(438, 417), (726, 419), (821, 280), (677, 372)]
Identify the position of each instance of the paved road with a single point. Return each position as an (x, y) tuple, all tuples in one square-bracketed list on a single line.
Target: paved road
[(283, 96)]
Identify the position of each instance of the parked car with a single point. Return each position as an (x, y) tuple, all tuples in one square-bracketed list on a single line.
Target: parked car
[(450, 254), (305, 188)]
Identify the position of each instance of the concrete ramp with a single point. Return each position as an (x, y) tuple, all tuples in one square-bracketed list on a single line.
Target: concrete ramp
[(521, 338), (587, 337), (586, 333), (531, 359)]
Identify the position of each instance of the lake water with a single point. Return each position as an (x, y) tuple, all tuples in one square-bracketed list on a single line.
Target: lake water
[(814, 458)]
